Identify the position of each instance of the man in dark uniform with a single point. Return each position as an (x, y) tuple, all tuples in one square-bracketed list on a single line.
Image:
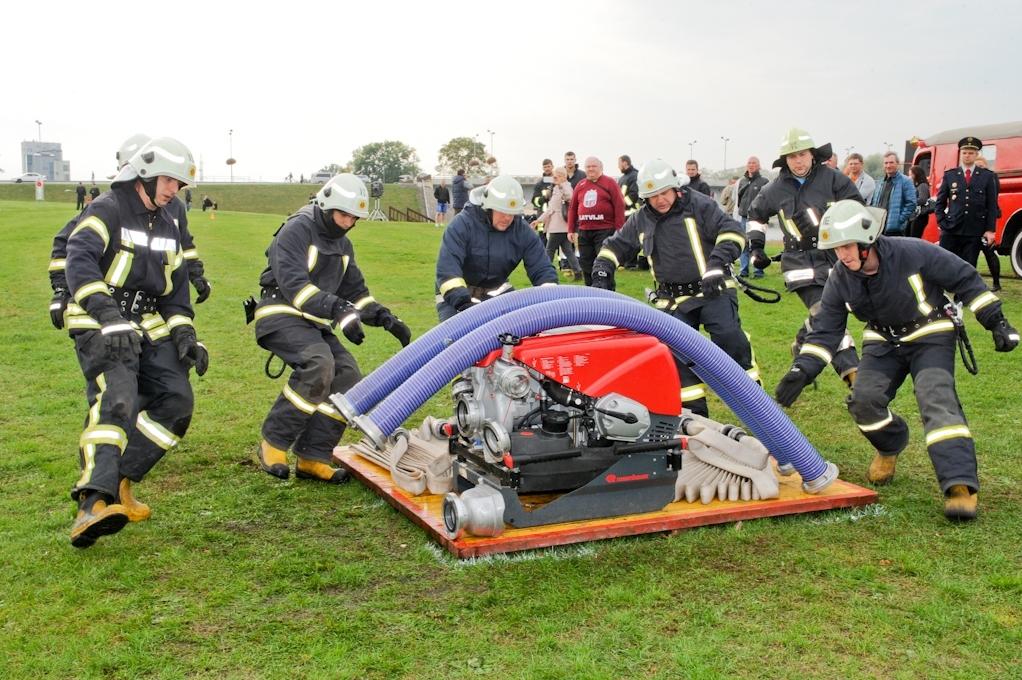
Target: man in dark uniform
[(132, 325), (628, 182), (690, 245), (80, 196), (541, 194), (967, 204), (483, 245), (94, 192), (803, 190), (58, 254), (695, 181), (749, 187), (311, 284), (575, 173), (897, 286)]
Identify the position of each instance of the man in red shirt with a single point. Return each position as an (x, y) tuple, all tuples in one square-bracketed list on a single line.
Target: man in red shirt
[(596, 212)]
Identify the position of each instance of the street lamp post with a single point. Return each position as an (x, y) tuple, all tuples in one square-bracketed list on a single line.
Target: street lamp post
[(691, 145), (491, 142), (230, 152), (725, 140), (39, 131)]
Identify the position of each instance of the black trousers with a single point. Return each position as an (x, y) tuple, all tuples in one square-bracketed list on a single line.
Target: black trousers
[(79, 202), (719, 316), (882, 371), (589, 243), (302, 417), (965, 247), (845, 360), (139, 408), (560, 240)]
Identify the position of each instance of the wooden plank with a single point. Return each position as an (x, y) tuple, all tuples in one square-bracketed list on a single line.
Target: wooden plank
[(425, 511)]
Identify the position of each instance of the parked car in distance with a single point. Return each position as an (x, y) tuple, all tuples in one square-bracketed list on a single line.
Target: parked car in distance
[(29, 177), (320, 177)]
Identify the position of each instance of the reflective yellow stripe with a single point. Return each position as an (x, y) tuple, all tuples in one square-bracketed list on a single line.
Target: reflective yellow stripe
[(872, 336), (982, 300), (608, 254), (89, 456), (89, 450), (155, 432), (91, 289), (729, 236), (104, 434), (697, 244), (329, 411), (929, 329), (178, 320), (817, 351), (81, 323), (949, 432), (97, 225), (271, 310), (345, 259), (451, 284), (307, 291), (693, 392), (119, 268), (753, 373), (57, 264), (880, 424), (191, 254), (313, 256), (916, 281), (362, 303), (300, 403), (174, 263)]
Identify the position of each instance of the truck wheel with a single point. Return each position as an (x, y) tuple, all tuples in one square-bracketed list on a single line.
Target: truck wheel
[(1016, 254)]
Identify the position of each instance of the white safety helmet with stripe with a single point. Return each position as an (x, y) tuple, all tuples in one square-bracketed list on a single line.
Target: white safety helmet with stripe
[(160, 157), (504, 194), (344, 192), (130, 147), (657, 175), (849, 221)]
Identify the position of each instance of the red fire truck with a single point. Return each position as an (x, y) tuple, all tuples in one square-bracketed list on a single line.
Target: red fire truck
[(1002, 149)]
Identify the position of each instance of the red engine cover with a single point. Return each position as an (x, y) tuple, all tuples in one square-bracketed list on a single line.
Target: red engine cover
[(600, 362)]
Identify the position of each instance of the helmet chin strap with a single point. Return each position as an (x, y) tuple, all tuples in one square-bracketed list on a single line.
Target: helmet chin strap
[(863, 255), (149, 186)]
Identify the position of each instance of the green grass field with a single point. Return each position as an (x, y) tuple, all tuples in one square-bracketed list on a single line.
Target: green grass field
[(239, 575)]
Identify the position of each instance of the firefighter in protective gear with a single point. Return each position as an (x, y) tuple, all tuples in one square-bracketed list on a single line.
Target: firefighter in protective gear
[(802, 192), (483, 244), (58, 254), (897, 286), (310, 285), (131, 322), (690, 245)]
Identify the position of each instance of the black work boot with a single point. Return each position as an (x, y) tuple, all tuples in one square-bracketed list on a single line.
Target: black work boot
[(307, 468), (97, 516), (273, 460)]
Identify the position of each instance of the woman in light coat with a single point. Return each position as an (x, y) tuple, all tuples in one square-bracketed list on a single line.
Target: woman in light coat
[(556, 225)]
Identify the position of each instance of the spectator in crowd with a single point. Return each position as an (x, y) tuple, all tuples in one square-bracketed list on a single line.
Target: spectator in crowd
[(918, 224), (94, 192), (748, 188), (628, 181), (575, 174), (208, 203), (896, 195), (544, 187), (443, 199), (596, 212), (989, 244), (967, 204), (188, 199), (79, 196), (728, 196), (459, 191), (855, 172), (557, 226), (695, 182)]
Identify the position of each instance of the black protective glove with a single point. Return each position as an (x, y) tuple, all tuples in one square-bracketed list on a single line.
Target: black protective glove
[(713, 283), (791, 385), (58, 303), (189, 350), (203, 288), (467, 303), (603, 275), (395, 326), (760, 260), (118, 334), (346, 316), (1005, 336)]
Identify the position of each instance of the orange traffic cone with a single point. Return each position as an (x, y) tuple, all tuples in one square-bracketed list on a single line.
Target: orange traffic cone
[(212, 214)]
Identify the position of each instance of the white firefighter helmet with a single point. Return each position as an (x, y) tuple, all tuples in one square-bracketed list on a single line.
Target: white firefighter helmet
[(657, 175), (161, 156), (796, 140), (344, 192), (130, 147), (849, 221), (504, 194)]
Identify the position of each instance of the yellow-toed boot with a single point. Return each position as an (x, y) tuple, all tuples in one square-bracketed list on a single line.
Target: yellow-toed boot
[(273, 460), (96, 518), (881, 470), (135, 509), (960, 503), (316, 469)]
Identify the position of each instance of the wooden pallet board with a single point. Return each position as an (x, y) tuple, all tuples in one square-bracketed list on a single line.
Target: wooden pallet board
[(425, 511)]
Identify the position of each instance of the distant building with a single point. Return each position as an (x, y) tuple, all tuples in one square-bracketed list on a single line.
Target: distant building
[(47, 159)]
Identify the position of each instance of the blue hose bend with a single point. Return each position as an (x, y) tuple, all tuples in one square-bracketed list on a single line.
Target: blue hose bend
[(372, 388), (749, 402)]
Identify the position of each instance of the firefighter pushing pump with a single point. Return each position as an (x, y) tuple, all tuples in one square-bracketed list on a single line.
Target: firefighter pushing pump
[(307, 288), (690, 245), (131, 321), (896, 285), (802, 192)]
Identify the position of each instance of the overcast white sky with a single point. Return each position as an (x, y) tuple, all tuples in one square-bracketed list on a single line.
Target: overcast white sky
[(302, 84)]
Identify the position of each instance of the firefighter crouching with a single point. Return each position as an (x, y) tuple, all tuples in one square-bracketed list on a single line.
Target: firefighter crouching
[(802, 192), (690, 245), (896, 285), (483, 244), (132, 325), (312, 283), (58, 254)]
